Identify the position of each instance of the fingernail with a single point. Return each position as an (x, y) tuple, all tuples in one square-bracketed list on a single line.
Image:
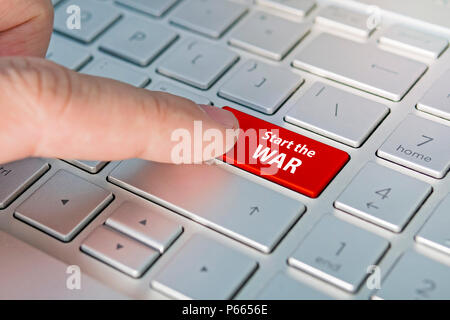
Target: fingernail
[(224, 117)]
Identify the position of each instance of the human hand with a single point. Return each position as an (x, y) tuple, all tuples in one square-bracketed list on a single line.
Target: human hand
[(49, 111)]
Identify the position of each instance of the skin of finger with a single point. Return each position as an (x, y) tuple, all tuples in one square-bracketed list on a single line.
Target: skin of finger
[(25, 27), (50, 111)]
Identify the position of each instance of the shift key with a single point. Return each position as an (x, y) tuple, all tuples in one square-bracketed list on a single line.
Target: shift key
[(284, 157), (215, 197)]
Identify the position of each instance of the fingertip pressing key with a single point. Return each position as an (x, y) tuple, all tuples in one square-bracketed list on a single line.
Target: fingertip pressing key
[(224, 117)]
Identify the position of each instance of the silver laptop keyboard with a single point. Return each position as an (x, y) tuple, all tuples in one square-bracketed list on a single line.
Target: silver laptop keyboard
[(319, 68)]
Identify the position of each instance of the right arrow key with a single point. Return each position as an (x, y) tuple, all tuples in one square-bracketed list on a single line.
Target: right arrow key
[(204, 269)]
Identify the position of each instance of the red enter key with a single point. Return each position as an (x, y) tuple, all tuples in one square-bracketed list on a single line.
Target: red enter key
[(285, 157)]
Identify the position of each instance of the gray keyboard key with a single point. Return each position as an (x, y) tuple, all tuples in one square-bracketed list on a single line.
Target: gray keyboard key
[(28, 273), (416, 277), (107, 68), (235, 206), (209, 17), (268, 35), (197, 63), (172, 89), (137, 40), (63, 205), (154, 7), (419, 144), (96, 17), (145, 225), (261, 86), (16, 177), (89, 166), (345, 20), (437, 99), (434, 13), (339, 253), (119, 251), (435, 232), (383, 196), (282, 287), (337, 114), (404, 38), (296, 7), (67, 53), (370, 69), (203, 264)]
